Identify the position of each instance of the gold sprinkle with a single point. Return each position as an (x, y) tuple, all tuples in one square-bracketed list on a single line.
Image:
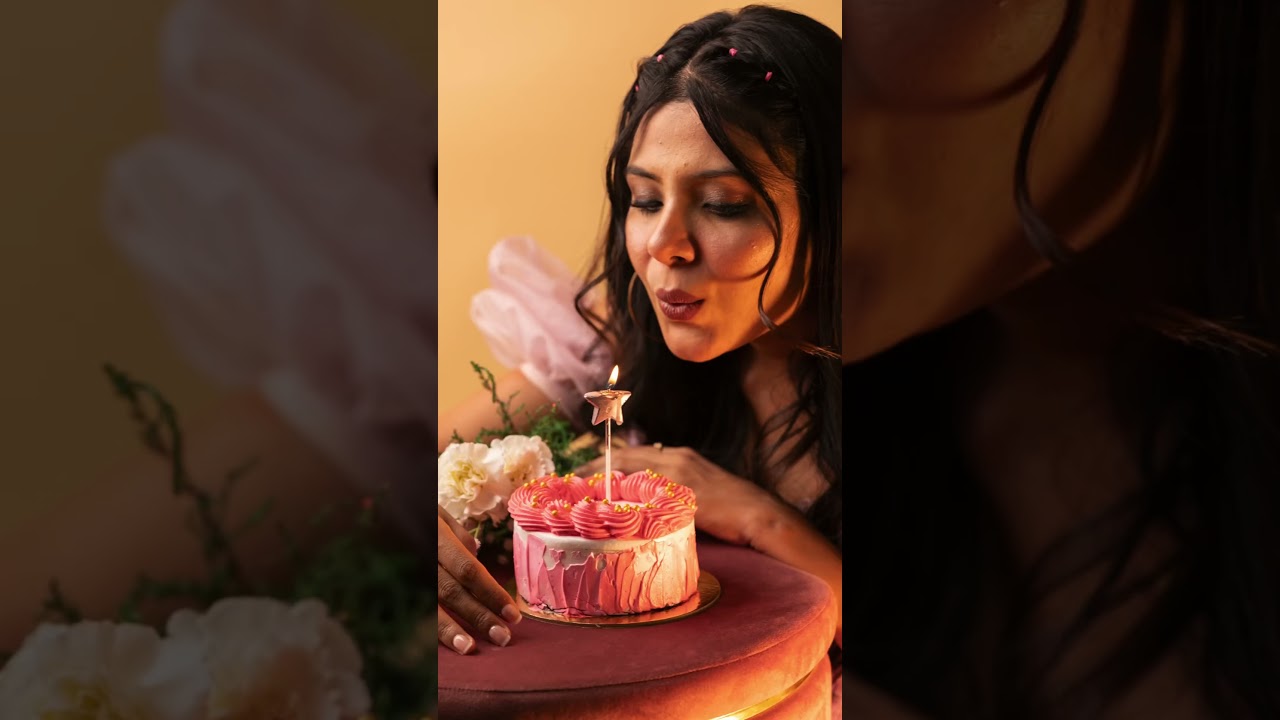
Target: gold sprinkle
[(554, 512)]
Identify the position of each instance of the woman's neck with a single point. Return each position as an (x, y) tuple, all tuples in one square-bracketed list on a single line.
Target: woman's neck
[(1043, 433), (766, 376), (1040, 431), (770, 390), (1054, 456)]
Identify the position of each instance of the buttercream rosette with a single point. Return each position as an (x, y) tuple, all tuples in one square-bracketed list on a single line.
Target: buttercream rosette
[(645, 505)]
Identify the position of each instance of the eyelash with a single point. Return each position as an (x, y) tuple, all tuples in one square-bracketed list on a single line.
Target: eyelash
[(728, 210), (724, 210)]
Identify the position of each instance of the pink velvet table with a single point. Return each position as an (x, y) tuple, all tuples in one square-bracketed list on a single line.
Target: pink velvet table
[(767, 637)]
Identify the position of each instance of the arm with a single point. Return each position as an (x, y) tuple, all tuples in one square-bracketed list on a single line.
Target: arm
[(112, 528), (778, 531), (479, 412)]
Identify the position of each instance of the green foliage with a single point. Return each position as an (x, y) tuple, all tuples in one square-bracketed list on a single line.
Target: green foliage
[(383, 598), (557, 433), (380, 593), (158, 426), (544, 422)]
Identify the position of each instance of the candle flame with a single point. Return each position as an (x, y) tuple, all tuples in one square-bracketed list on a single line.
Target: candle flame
[(613, 377)]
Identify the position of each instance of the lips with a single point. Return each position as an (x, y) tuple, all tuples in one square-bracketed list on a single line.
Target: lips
[(678, 305)]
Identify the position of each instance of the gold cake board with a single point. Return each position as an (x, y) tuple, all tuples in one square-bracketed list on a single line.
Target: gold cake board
[(707, 595)]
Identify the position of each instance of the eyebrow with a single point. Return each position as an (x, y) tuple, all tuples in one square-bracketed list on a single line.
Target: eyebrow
[(704, 175)]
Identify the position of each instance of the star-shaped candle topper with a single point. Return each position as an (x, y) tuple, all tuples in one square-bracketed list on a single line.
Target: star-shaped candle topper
[(607, 405)]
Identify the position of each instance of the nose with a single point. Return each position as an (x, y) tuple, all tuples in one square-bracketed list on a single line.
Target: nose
[(670, 243)]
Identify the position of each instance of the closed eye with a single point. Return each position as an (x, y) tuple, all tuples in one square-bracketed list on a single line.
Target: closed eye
[(728, 210), (647, 207)]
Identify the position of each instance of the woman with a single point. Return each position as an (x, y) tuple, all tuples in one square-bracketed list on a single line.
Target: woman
[(721, 283), (1061, 316)]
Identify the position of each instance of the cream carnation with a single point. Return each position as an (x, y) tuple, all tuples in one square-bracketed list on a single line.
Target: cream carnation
[(103, 670), (470, 483), (267, 659), (523, 459)]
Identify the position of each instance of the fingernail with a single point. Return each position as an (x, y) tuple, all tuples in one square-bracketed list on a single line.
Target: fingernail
[(511, 614), (462, 644), (499, 635)]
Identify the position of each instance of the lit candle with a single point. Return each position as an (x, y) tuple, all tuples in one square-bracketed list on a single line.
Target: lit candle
[(608, 408)]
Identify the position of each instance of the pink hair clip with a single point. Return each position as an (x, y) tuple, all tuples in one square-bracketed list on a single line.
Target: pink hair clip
[(637, 87), (768, 75), (659, 57), (733, 51)]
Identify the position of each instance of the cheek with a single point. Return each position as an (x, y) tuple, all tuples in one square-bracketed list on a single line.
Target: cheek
[(736, 256), (635, 237)]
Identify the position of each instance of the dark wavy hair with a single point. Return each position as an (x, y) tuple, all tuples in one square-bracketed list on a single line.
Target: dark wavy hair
[(1196, 382), (794, 115)]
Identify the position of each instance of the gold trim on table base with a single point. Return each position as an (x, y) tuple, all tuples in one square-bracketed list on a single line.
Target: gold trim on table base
[(708, 593), (754, 710)]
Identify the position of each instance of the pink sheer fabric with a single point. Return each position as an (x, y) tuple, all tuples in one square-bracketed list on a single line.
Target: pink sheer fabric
[(529, 319), (286, 225)]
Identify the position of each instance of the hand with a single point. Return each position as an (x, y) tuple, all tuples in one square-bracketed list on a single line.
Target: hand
[(729, 507), (467, 590)]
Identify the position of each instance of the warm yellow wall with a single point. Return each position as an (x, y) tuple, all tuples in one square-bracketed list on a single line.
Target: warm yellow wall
[(529, 94), (80, 84)]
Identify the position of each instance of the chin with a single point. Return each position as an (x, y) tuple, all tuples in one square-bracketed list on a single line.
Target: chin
[(692, 345), (694, 355)]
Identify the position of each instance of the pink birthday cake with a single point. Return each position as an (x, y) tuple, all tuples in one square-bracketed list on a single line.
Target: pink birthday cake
[(578, 554)]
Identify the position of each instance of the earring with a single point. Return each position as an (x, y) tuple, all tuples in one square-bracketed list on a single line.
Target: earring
[(631, 311)]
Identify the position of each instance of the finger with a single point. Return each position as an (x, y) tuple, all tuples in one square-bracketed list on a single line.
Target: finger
[(468, 541), (463, 604), (473, 581), (451, 634)]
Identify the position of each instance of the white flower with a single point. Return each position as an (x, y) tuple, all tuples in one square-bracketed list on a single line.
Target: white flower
[(476, 480), (470, 483), (102, 670), (523, 459), (267, 659)]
